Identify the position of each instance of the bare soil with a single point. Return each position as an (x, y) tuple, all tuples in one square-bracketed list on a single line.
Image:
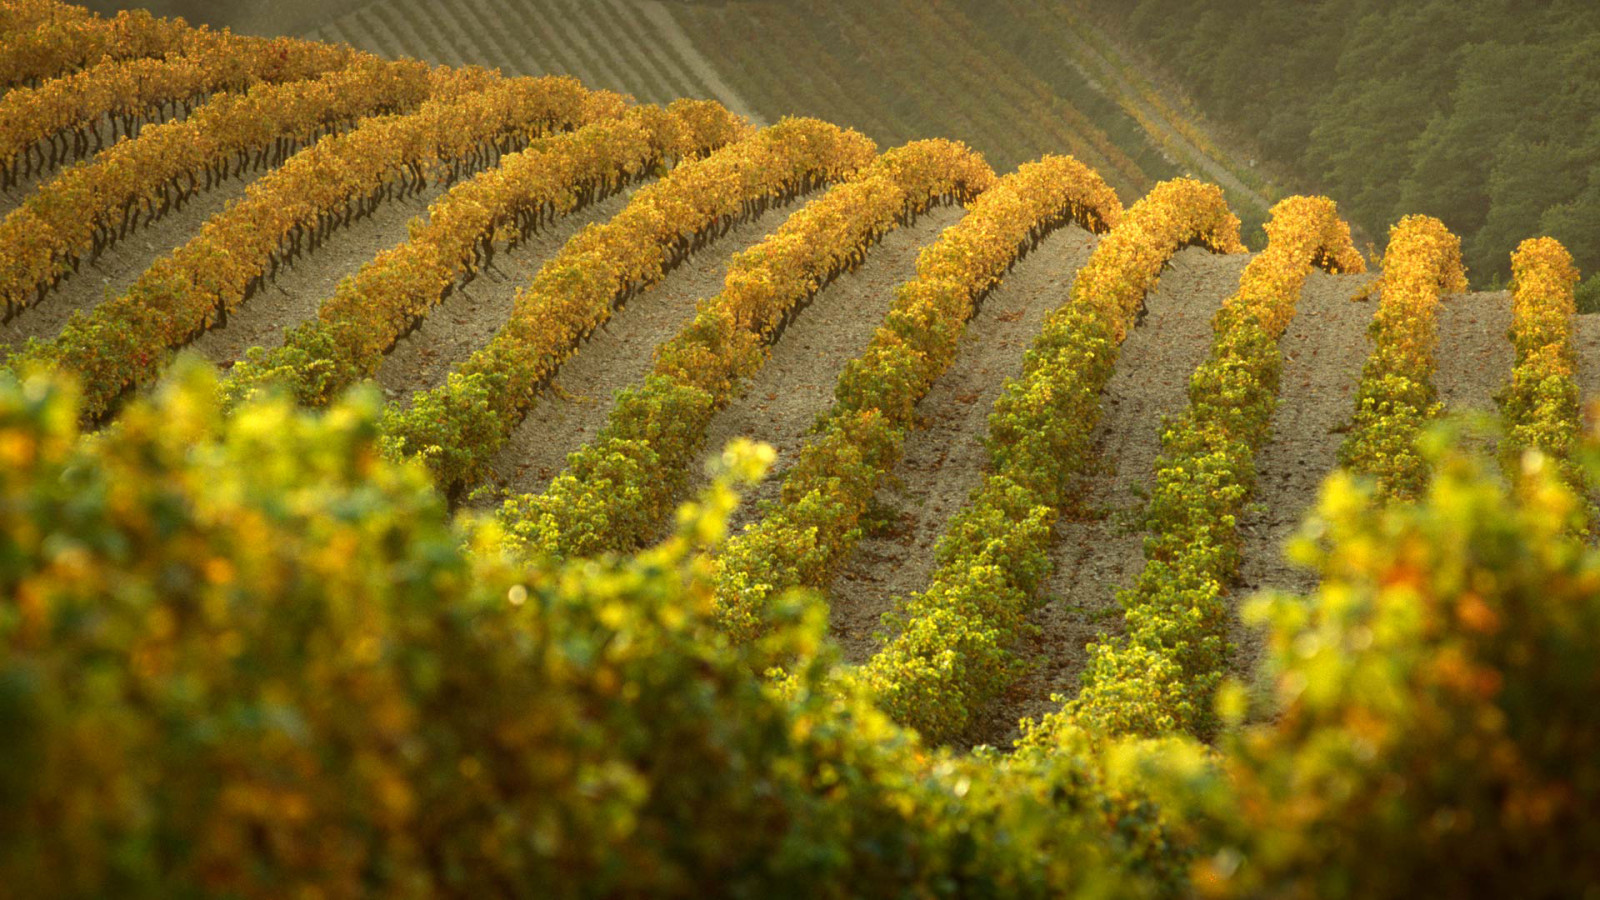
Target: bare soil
[(470, 316), (302, 286), (944, 459), (782, 402), (572, 411), (121, 264), (1323, 349), (1475, 355), (1586, 338)]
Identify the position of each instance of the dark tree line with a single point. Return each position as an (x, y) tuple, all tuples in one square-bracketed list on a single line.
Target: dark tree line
[(1485, 113)]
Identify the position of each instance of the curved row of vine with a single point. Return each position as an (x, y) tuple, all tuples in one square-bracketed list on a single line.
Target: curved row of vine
[(1161, 677), (616, 492), (18, 16), (60, 44), (1540, 404), (60, 119), (858, 441), (953, 649), (91, 205), (457, 428), (368, 313), (1396, 396), (125, 341)]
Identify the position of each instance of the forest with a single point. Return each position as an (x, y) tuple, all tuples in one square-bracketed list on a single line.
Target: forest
[(1482, 113)]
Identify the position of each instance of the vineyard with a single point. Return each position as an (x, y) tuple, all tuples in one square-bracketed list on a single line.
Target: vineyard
[(426, 479)]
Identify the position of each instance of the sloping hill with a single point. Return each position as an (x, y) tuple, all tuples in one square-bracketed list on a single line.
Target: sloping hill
[(610, 151)]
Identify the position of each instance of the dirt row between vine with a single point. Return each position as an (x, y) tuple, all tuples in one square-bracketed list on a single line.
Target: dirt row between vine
[(470, 316), (571, 411), (450, 332), (831, 331), (1323, 350), (1475, 355), (944, 459), (121, 264), (302, 285), (1097, 549), (782, 402)]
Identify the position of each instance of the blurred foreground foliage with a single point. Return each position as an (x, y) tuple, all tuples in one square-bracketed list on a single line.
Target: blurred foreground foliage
[(246, 656)]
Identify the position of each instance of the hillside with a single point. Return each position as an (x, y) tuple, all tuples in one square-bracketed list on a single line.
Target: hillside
[(1485, 107), (1041, 422)]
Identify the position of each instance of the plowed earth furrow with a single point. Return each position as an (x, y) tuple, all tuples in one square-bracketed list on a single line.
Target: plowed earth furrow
[(1098, 548), (121, 264), (572, 411), (470, 316), (783, 400), (301, 286), (1475, 356), (943, 460), (1323, 350)]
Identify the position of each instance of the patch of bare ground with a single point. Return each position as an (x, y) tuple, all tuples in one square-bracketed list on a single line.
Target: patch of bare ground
[(1097, 548), (470, 316), (14, 196), (782, 402), (121, 264), (1475, 355), (1586, 343), (943, 459), (1323, 350), (573, 409)]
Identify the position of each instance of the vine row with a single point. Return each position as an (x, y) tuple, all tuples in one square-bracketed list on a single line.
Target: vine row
[(58, 45), (61, 119), (858, 441), (953, 648), (1540, 404), (1396, 397), (391, 295), (1161, 677), (124, 342), (94, 203), (17, 16), (457, 428), (616, 492)]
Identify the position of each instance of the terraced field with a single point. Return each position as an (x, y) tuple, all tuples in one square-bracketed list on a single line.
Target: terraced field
[(381, 456), (502, 276)]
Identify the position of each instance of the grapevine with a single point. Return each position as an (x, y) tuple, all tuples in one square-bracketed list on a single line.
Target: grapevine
[(457, 428), (59, 45), (953, 651), (123, 343), (1540, 403), (826, 492), (91, 205), (616, 492), (61, 119), (389, 295), (1396, 397), (1161, 677)]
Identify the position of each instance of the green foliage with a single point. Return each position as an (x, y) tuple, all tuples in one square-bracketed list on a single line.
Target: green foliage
[(250, 657), (1433, 730), (828, 492), (1161, 673), (953, 649)]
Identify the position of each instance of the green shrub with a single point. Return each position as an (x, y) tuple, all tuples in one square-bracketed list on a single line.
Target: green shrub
[(250, 657), (1434, 730)]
